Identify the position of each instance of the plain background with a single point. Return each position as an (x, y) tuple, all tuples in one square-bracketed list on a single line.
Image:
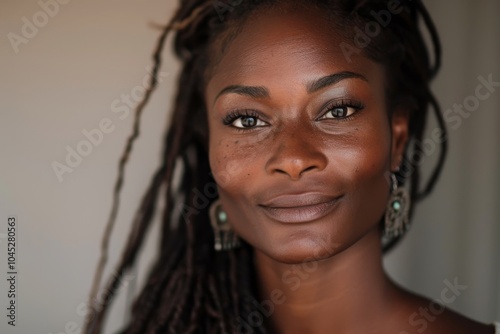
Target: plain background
[(69, 75)]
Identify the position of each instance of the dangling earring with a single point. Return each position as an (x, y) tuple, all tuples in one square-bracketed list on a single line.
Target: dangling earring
[(397, 214), (225, 238)]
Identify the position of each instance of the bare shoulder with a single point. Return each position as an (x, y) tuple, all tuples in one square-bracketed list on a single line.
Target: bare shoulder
[(418, 314)]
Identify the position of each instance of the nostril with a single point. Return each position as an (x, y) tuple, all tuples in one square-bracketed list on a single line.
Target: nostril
[(307, 169)]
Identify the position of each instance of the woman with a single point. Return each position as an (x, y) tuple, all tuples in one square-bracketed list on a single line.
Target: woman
[(294, 137)]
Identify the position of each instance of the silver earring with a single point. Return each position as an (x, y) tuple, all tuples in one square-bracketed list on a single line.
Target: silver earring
[(225, 238), (397, 213)]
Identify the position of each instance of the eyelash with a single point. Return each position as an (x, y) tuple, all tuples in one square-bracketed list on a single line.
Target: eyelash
[(234, 115), (349, 103)]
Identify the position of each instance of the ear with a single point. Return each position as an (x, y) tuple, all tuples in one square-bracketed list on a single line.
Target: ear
[(400, 133)]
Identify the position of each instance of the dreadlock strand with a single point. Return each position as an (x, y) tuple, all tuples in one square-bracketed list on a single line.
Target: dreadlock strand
[(442, 153), (180, 138), (147, 206), (123, 161), (434, 37), (154, 278), (172, 293), (186, 284), (161, 273), (218, 304), (234, 281), (197, 306)]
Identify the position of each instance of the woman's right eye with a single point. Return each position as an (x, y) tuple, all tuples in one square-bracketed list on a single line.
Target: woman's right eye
[(248, 122), (244, 120)]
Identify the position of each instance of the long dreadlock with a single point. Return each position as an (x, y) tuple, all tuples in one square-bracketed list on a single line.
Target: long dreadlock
[(191, 288)]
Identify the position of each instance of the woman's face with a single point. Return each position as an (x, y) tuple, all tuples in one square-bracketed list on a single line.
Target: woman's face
[(300, 143)]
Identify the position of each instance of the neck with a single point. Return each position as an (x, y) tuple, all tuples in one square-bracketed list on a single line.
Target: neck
[(348, 290)]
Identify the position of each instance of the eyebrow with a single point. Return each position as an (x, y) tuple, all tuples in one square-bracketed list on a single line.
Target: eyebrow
[(313, 86), (332, 79), (252, 91)]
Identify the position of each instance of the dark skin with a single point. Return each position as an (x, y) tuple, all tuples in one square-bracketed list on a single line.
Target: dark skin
[(308, 124)]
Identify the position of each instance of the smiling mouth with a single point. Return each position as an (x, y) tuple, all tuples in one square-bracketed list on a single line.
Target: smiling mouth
[(293, 211)]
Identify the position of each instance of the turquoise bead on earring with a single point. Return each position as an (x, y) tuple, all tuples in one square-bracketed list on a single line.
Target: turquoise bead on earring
[(224, 236), (222, 216), (396, 205)]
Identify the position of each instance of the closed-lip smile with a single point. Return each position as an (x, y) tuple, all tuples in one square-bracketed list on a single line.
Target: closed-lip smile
[(299, 208)]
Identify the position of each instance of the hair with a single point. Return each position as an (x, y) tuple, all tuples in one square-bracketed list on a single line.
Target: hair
[(190, 287)]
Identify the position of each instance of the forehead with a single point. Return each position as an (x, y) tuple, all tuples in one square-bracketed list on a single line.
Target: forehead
[(297, 44)]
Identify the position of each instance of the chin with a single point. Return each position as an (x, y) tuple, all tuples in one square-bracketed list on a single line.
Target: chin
[(303, 248)]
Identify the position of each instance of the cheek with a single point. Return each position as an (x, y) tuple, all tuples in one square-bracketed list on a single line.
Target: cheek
[(361, 154), (373, 160), (232, 163), (368, 176), (236, 166)]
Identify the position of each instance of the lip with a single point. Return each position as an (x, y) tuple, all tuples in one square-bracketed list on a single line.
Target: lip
[(299, 208)]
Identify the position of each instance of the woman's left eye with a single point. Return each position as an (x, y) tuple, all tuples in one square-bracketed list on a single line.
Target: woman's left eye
[(339, 112)]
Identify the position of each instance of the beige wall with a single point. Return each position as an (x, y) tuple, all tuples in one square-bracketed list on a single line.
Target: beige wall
[(63, 81), (69, 77)]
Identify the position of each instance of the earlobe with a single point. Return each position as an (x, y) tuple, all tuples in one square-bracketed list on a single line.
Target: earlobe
[(400, 134)]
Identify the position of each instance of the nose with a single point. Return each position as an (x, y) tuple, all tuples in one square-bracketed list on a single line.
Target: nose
[(295, 153)]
